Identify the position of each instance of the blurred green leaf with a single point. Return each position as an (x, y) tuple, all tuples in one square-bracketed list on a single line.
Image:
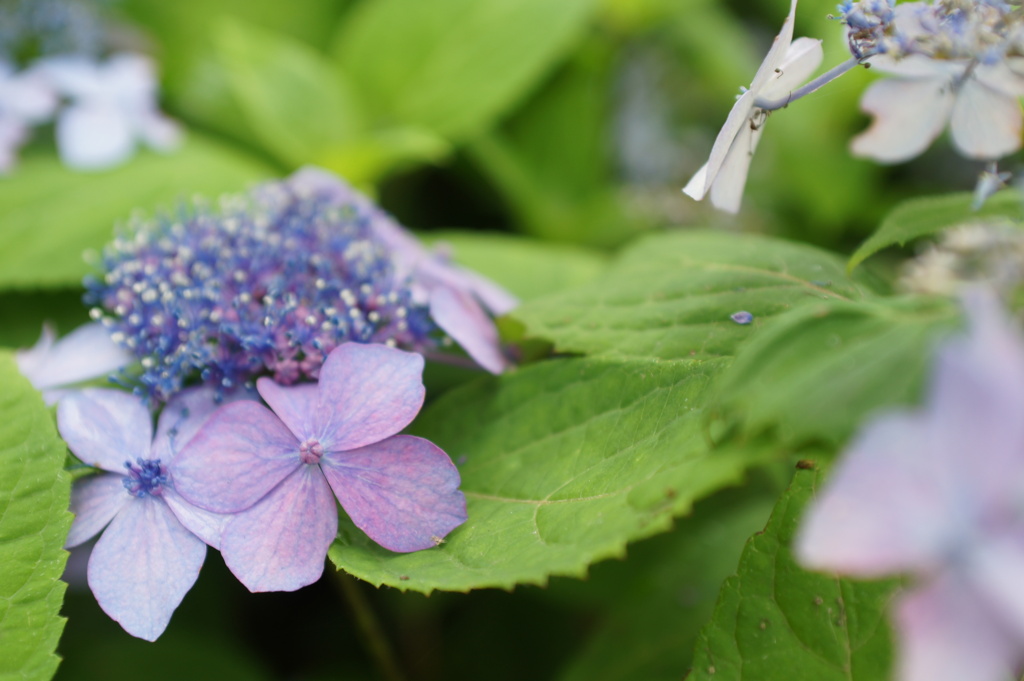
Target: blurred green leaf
[(562, 463), (294, 98), (51, 215), (453, 66), (777, 622), (671, 295), (665, 592), (921, 217), (376, 153), (817, 372), (34, 522), (528, 268), (22, 314)]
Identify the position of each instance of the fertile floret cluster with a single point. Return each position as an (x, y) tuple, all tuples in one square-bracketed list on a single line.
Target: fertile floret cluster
[(270, 281)]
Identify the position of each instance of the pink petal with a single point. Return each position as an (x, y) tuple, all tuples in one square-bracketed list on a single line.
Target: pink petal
[(235, 459), (280, 543), (185, 414), (946, 633), (891, 504), (95, 501), (402, 492), (995, 566), (367, 393), (462, 318), (105, 427), (206, 525), (986, 124), (494, 297), (909, 115), (295, 405), (143, 566)]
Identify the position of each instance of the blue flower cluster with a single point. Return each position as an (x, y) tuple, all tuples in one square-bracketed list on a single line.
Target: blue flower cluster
[(270, 281)]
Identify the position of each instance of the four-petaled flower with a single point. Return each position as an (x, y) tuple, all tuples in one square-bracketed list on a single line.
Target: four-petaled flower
[(279, 471), (939, 493), (787, 64), (153, 546)]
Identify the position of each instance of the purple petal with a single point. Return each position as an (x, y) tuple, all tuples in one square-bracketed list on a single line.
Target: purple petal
[(946, 633), (206, 525), (240, 454), (295, 405), (402, 492), (95, 501), (105, 428), (493, 296), (464, 320), (367, 393), (892, 504), (996, 565), (84, 354), (280, 543), (143, 566), (185, 414)]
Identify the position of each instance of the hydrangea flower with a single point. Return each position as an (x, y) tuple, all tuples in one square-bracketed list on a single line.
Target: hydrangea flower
[(270, 281), (279, 470), (787, 64), (155, 541), (952, 66), (938, 493), (26, 99), (52, 366), (460, 301), (112, 108)]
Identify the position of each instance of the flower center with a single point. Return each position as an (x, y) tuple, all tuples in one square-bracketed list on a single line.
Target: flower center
[(145, 477), (311, 450)]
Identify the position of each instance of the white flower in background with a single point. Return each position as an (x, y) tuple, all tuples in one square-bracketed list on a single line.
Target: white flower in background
[(788, 64), (952, 66), (938, 493), (26, 99), (52, 365), (112, 107)]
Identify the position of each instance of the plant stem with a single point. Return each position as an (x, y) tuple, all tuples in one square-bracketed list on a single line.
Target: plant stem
[(370, 631)]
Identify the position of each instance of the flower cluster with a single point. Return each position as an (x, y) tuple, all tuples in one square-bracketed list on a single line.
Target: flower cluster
[(937, 493), (258, 484), (270, 281), (51, 70)]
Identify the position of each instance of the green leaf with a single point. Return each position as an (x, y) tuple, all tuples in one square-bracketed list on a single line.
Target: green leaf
[(777, 622), (671, 295), (51, 215), (924, 216), (816, 373), (294, 98), (34, 522), (453, 66), (563, 463), (528, 268), (665, 591)]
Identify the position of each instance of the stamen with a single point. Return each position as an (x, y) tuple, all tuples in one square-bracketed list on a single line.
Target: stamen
[(145, 478)]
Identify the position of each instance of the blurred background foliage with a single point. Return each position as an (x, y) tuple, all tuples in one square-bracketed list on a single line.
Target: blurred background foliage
[(573, 121)]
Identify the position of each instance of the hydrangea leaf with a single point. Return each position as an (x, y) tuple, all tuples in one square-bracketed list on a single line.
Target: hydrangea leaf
[(279, 80), (528, 268), (51, 215), (819, 370), (672, 295), (34, 522), (453, 66), (665, 591), (776, 622), (923, 216), (562, 463)]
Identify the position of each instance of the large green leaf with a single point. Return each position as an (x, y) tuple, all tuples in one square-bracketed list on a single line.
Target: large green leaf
[(671, 295), (777, 622), (50, 215), (816, 373), (293, 97), (921, 217), (563, 463), (34, 522), (453, 66), (526, 267)]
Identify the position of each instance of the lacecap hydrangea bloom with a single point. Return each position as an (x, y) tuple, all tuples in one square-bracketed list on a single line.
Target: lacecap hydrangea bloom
[(938, 493), (154, 541), (265, 283)]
